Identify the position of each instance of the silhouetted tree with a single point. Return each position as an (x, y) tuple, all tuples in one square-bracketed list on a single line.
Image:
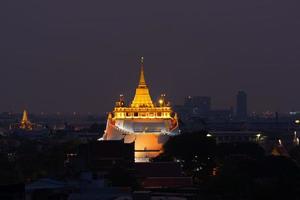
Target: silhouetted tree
[(245, 177), (195, 151)]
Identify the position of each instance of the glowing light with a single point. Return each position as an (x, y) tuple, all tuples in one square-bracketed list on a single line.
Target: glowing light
[(297, 121), (161, 101), (25, 123), (280, 142), (208, 135)]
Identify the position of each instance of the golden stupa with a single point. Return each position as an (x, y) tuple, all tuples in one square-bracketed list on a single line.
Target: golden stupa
[(25, 123), (147, 124)]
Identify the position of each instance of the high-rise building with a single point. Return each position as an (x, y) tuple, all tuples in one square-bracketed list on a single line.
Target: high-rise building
[(200, 106), (241, 105), (144, 122)]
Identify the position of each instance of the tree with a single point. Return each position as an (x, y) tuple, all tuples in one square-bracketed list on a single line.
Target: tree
[(195, 151), (245, 177)]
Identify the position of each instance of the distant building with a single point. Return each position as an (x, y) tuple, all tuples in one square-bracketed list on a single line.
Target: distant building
[(25, 123), (221, 114), (199, 106), (237, 136), (31, 129), (241, 105)]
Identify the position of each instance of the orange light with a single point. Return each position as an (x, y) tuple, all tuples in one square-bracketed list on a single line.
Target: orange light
[(161, 101)]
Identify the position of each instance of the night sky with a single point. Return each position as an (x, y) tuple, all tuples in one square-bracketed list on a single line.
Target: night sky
[(75, 55)]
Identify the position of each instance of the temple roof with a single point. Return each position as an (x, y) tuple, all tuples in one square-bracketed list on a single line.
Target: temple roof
[(142, 96)]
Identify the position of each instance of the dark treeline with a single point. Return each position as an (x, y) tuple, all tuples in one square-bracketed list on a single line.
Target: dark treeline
[(235, 170), (225, 171)]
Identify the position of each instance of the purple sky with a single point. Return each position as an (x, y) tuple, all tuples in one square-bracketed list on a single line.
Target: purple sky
[(74, 55)]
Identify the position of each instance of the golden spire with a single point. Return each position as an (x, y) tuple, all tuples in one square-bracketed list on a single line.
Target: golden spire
[(142, 97), (25, 123), (25, 117), (142, 82)]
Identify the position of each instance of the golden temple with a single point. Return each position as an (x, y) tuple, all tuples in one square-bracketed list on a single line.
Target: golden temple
[(147, 124), (25, 123)]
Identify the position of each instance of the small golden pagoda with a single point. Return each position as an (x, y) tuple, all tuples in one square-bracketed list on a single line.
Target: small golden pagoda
[(147, 124), (25, 123)]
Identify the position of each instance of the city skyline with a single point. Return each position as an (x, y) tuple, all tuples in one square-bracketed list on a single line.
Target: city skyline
[(81, 60)]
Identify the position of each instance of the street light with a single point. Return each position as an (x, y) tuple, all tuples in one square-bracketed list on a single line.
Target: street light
[(257, 137)]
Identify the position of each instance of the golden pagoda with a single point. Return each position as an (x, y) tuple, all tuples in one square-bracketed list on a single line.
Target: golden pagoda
[(25, 123), (142, 97), (147, 124)]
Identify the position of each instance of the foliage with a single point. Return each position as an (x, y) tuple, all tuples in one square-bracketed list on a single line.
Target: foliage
[(242, 170), (270, 177), (195, 151)]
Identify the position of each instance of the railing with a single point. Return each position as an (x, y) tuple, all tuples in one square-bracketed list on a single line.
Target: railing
[(127, 132)]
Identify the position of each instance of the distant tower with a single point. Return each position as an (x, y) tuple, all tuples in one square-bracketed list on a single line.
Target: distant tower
[(241, 105), (25, 123)]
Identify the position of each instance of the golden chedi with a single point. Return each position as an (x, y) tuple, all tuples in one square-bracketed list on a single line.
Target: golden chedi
[(147, 124)]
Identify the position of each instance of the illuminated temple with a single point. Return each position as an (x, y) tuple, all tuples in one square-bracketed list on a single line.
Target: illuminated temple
[(144, 122), (25, 123), (26, 126)]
